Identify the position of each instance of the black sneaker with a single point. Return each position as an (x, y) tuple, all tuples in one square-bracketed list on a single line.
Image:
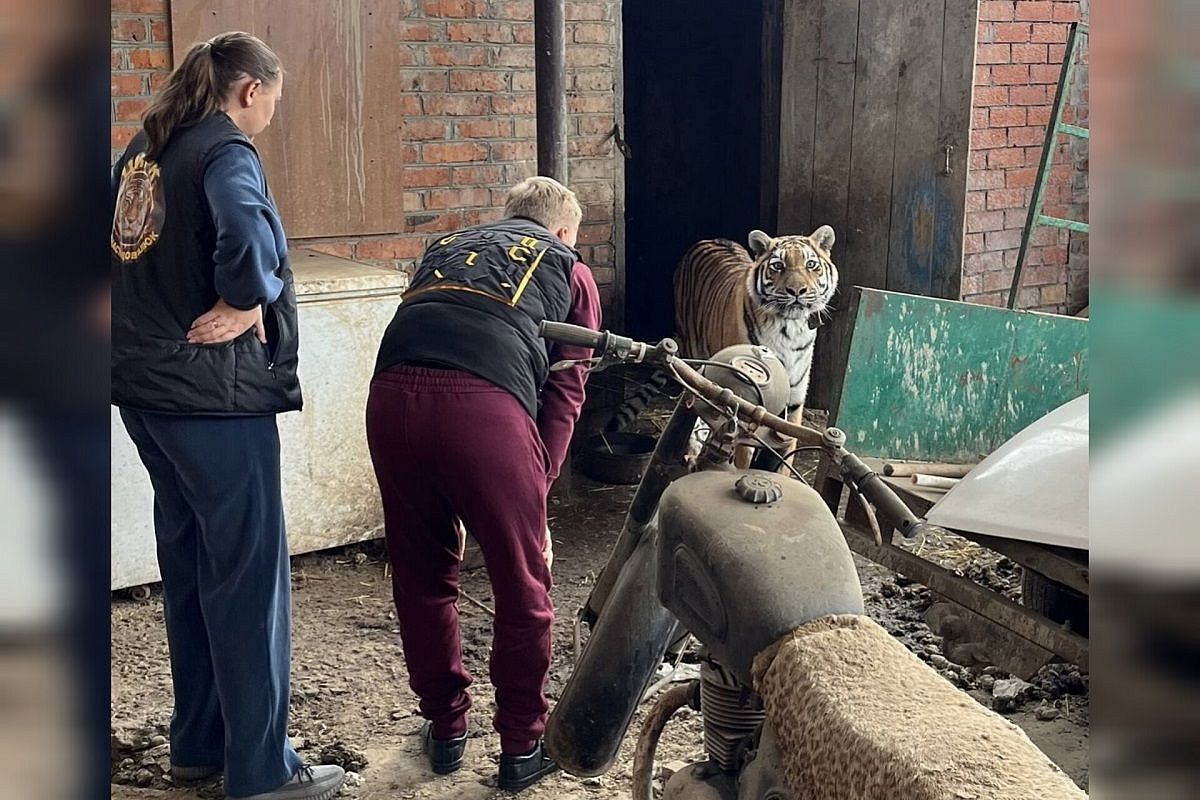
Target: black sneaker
[(445, 755), (521, 772)]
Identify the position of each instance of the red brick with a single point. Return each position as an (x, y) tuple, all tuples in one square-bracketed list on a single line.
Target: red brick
[(426, 176), (457, 55), (977, 263), (160, 31), (414, 32), (996, 10), (993, 54), (1066, 12), (150, 59), (973, 243), (976, 201), (461, 81), (1048, 32), (523, 33), (514, 104), (514, 56), (998, 199), (585, 11), (1034, 10), (422, 129), (128, 85), (601, 81), (1027, 95), (593, 33), (589, 56), (139, 6), (390, 248), (1021, 178), (985, 179), (136, 29), (424, 80), (979, 118), (449, 152), (525, 128), (1056, 53), (983, 75), (1055, 256), (484, 129), (524, 81), (457, 9), (1029, 53), (1051, 295), (991, 95), (1012, 32), (979, 159), (117, 59), (473, 197), (595, 234), (131, 110), (1038, 115), (595, 125), (1044, 73), (1007, 116), (158, 80), (123, 134), (591, 104), (477, 176), (455, 105), (1010, 74), (514, 9), (1002, 240), (978, 221), (1006, 157), (970, 284), (480, 32), (982, 139), (513, 151), (997, 280), (1025, 137)]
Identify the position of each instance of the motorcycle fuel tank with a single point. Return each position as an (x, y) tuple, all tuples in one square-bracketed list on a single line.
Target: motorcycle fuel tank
[(741, 566)]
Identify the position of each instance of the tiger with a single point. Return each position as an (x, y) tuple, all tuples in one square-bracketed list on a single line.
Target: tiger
[(774, 295)]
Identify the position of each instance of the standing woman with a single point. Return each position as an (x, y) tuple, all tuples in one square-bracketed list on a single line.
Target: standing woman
[(204, 354)]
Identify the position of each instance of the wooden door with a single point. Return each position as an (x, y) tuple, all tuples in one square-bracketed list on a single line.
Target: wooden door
[(873, 103)]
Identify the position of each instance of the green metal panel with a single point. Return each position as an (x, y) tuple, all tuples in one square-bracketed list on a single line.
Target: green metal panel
[(940, 380)]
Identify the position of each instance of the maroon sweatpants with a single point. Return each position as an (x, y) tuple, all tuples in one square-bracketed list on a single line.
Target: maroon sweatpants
[(447, 444)]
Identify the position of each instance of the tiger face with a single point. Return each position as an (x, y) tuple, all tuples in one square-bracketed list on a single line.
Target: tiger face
[(793, 275)]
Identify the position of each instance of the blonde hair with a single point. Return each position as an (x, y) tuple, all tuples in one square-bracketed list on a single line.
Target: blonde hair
[(545, 201)]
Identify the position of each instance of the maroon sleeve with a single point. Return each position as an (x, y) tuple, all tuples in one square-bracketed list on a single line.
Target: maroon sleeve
[(563, 394)]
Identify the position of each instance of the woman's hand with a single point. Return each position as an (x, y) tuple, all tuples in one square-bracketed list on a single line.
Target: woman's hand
[(223, 323)]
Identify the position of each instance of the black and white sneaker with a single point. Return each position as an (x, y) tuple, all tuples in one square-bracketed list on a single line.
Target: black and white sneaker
[(445, 755), (521, 772), (309, 783)]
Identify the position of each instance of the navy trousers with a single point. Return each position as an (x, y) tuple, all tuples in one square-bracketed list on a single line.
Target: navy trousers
[(222, 550)]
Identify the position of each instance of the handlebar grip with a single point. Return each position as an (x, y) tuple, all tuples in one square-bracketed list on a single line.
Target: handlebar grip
[(566, 333), (880, 495)]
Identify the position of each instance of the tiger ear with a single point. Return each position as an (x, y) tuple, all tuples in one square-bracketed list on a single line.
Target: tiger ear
[(759, 243), (823, 238)]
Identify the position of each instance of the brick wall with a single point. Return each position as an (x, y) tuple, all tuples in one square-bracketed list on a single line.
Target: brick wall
[(1018, 59), (469, 132)]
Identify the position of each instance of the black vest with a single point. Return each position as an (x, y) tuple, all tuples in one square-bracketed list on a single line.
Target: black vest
[(476, 301), (162, 243)]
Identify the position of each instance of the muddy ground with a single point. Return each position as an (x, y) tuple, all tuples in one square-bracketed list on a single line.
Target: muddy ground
[(351, 703)]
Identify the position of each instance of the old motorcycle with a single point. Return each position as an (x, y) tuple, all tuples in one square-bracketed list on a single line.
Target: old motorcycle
[(742, 560)]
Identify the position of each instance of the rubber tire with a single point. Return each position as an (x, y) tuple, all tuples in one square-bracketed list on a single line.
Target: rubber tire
[(1057, 601)]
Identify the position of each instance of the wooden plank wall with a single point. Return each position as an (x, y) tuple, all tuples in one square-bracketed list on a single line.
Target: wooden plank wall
[(871, 93)]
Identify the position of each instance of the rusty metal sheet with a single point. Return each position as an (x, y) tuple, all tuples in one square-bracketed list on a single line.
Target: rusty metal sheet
[(334, 154), (940, 380)]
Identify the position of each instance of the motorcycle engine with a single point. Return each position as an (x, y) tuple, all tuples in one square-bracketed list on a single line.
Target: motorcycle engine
[(732, 713)]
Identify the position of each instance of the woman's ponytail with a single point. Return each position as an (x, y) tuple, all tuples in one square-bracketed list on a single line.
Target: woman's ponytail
[(199, 85)]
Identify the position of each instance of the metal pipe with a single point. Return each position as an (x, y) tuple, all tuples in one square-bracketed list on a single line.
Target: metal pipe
[(550, 65)]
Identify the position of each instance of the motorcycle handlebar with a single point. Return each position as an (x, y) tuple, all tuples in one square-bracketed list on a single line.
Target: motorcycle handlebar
[(608, 345)]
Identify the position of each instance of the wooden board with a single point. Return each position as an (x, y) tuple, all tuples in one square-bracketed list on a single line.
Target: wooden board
[(333, 154), (872, 94), (939, 380)]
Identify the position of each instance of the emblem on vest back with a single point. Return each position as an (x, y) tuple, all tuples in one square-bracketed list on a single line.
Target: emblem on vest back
[(139, 215)]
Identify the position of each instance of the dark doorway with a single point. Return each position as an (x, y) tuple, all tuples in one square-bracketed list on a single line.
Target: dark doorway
[(693, 85)]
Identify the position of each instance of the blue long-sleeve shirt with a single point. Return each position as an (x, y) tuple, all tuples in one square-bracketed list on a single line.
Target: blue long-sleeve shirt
[(250, 240)]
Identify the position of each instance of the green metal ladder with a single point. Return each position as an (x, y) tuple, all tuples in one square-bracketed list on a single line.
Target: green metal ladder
[(1056, 126)]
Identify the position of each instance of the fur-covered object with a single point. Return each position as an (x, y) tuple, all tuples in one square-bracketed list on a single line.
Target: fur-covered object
[(859, 717)]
